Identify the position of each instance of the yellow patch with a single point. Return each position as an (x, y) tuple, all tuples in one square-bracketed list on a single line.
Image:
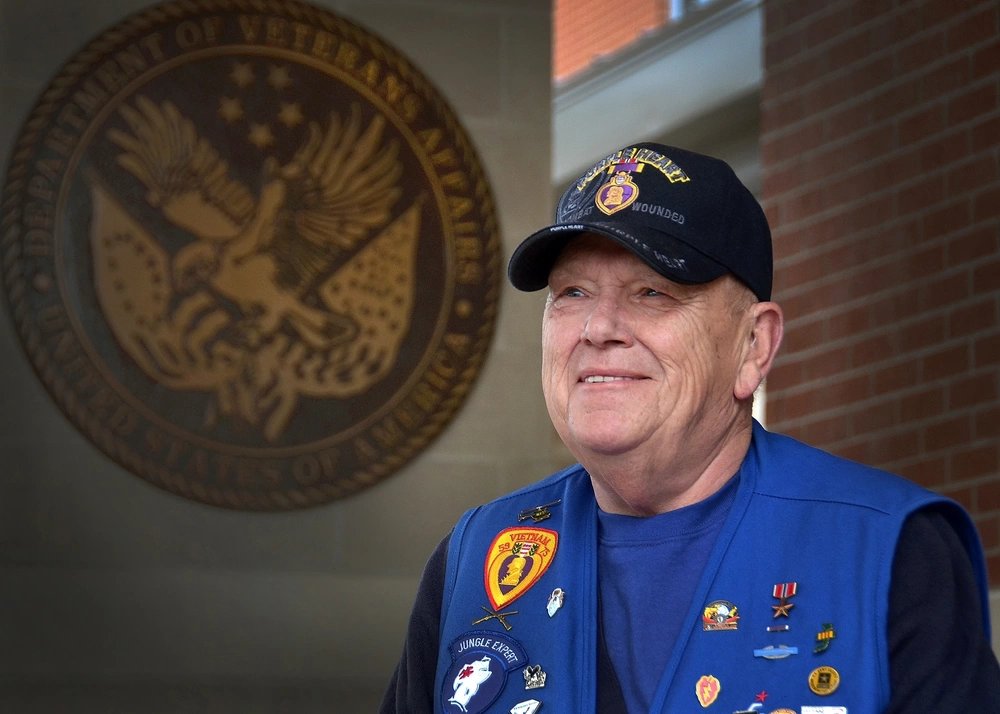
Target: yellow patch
[(516, 560)]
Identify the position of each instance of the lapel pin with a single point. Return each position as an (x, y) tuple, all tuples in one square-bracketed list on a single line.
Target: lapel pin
[(824, 680), (707, 690), (824, 637), (556, 600), (534, 677), (783, 591), (501, 617), (720, 615), (756, 707), (779, 652), (538, 513)]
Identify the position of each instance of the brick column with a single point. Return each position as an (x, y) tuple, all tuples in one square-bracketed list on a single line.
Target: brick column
[(881, 177), (592, 29)]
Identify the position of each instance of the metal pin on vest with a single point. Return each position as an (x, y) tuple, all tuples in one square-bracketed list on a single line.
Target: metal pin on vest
[(500, 617), (537, 513)]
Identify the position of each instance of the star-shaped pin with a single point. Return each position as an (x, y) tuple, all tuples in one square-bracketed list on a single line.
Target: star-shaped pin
[(782, 609)]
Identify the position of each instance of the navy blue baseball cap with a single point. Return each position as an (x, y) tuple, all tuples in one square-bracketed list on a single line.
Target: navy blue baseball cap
[(685, 214)]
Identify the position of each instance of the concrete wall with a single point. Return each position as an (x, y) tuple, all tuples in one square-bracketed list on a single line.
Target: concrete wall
[(117, 596)]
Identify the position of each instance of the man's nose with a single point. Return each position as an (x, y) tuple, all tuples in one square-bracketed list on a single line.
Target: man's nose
[(607, 323)]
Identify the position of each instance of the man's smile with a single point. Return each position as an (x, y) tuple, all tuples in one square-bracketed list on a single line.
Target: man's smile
[(600, 378)]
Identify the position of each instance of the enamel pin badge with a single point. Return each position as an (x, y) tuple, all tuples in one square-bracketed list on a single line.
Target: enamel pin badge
[(776, 652), (556, 600), (824, 637), (617, 194), (707, 690), (516, 560), (756, 707), (824, 680), (534, 676), (720, 615), (783, 592)]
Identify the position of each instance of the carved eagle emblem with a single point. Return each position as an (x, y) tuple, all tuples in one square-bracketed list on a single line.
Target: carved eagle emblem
[(299, 285)]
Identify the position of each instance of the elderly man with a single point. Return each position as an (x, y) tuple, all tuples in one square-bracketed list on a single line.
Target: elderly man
[(691, 559)]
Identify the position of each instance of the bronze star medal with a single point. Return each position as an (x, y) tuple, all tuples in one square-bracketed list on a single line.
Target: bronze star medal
[(783, 591)]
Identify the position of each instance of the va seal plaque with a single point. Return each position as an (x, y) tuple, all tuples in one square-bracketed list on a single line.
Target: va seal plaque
[(250, 252)]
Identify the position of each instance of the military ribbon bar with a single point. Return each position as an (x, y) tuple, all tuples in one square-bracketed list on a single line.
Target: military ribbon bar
[(783, 591)]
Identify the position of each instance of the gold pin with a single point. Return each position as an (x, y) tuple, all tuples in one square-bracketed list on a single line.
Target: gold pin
[(824, 680), (538, 513), (500, 617)]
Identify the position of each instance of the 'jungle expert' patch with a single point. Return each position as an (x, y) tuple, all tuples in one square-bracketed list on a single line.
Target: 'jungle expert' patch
[(481, 661)]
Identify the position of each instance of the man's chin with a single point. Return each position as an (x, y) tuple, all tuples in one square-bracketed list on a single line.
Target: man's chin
[(599, 445)]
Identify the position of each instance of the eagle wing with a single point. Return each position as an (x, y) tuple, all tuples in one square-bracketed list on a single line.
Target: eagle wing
[(376, 289), (341, 185), (183, 173)]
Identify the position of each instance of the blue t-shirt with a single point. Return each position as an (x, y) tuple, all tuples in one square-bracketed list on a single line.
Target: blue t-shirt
[(648, 570)]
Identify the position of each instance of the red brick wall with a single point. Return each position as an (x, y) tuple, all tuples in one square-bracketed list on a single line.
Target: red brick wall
[(881, 177), (586, 30)]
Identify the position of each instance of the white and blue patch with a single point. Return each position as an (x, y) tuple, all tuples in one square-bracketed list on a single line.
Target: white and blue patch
[(481, 661)]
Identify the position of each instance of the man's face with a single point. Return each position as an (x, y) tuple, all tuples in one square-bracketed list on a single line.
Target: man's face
[(633, 363)]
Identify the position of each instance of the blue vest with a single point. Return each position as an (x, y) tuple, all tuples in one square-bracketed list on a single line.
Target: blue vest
[(806, 551)]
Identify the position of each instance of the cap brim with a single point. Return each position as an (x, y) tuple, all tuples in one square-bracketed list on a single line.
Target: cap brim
[(532, 261)]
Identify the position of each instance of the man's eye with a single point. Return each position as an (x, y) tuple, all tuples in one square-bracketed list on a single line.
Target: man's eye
[(572, 292), (651, 292)]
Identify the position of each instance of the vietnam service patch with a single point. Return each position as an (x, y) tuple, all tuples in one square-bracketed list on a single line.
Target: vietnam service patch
[(516, 560)]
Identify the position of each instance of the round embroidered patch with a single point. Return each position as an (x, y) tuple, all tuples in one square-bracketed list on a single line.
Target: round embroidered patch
[(481, 661)]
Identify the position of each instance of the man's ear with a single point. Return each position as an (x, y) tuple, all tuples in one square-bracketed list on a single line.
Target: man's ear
[(760, 349)]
